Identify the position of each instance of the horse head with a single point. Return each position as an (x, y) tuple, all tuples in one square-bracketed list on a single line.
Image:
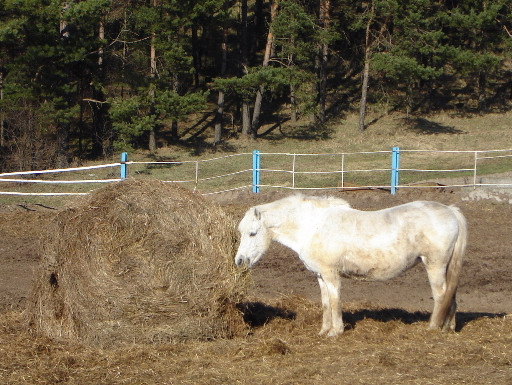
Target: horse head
[(255, 238)]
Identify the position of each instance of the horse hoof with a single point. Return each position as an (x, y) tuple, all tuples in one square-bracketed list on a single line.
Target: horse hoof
[(433, 326), (334, 333), (448, 328)]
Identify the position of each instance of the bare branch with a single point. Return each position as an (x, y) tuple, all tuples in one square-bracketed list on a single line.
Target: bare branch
[(94, 101), (507, 31)]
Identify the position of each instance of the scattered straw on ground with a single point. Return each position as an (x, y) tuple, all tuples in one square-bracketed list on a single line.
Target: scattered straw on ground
[(379, 346)]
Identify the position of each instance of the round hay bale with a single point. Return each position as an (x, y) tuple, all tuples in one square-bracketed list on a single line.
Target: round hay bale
[(139, 262)]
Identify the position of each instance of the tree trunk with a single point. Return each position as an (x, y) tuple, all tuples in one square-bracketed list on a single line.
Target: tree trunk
[(63, 158), (81, 118), (266, 59), (174, 131), (364, 89), (174, 124), (220, 99), (219, 115), (101, 50), (255, 124), (64, 27), (325, 21), (259, 25), (293, 98), (152, 75), (293, 102), (244, 50), (2, 114), (366, 72), (246, 119), (100, 140), (196, 58)]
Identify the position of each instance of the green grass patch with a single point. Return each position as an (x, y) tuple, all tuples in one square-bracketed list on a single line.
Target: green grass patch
[(291, 155)]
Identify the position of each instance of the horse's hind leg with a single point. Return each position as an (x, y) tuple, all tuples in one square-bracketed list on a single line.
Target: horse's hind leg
[(449, 323), (437, 279)]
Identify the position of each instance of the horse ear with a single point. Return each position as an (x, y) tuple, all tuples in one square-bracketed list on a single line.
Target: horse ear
[(257, 214)]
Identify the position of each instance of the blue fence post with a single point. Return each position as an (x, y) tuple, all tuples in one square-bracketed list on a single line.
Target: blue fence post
[(395, 169), (124, 166), (256, 175)]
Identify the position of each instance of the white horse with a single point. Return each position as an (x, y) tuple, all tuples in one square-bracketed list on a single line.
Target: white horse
[(333, 240)]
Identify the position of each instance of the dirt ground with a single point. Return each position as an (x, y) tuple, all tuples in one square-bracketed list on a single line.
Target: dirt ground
[(390, 310)]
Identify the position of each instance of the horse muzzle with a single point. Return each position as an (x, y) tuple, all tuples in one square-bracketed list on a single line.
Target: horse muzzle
[(241, 260)]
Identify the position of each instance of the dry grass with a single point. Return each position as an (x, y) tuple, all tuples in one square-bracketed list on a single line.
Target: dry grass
[(138, 261), (436, 132), (441, 131), (379, 347)]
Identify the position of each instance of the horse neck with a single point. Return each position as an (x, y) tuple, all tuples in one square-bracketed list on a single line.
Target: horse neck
[(284, 225)]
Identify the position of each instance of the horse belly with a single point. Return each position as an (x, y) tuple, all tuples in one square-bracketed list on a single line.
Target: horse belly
[(379, 257), (376, 267)]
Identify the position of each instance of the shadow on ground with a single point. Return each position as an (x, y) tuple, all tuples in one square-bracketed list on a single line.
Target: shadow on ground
[(428, 127), (257, 314), (394, 314)]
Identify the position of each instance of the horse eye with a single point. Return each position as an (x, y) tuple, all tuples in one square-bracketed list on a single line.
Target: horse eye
[(252, 234)]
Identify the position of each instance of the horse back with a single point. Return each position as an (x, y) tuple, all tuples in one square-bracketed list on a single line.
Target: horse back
[(381, 244), (426, 225)]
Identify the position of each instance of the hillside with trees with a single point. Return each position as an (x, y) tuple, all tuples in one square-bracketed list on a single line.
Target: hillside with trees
[(86, 78)]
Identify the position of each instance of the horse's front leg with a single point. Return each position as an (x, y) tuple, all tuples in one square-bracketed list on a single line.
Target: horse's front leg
[(326, 307), (332, 312)]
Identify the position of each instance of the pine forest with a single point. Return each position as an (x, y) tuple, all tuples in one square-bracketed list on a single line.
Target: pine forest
[(85, 79)]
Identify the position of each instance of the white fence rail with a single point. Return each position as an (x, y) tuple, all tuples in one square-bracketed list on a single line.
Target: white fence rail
[(265, 170)]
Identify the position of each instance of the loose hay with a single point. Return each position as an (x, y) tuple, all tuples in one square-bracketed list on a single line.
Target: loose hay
[(138, 261)]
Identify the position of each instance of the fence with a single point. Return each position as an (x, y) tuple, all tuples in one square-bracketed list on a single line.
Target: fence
[(391, 169)]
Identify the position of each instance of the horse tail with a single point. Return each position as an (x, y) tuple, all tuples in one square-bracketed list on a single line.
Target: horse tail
[(448, 305)]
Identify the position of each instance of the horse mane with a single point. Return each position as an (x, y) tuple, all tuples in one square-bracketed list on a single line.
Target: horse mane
[(322, 200), (294, 201)]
